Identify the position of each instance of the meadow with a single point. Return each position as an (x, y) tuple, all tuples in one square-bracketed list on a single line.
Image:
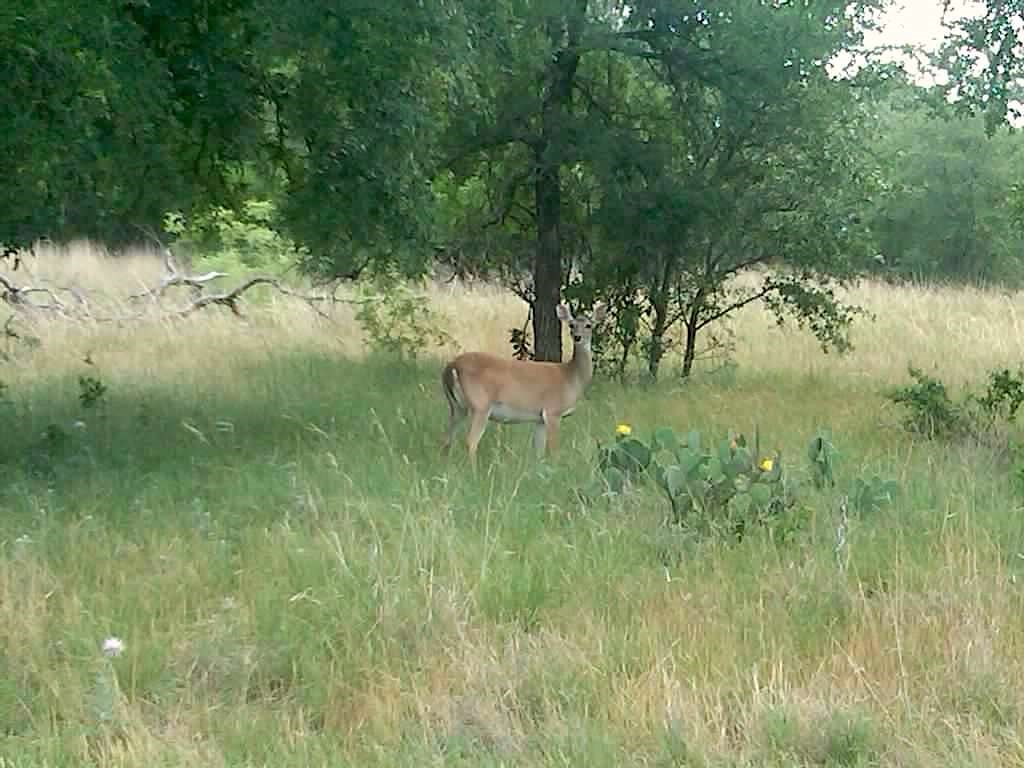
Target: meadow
[(258, 510)]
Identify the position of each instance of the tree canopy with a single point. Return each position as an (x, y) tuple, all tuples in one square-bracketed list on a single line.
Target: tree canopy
[(675, 159)]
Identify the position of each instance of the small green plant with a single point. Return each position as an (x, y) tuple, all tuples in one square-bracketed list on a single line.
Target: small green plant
[(870, 495), (984, 417), (931, 411), (728, 481), (397, 320), (822, 454), (1003, 396), (91, 391)]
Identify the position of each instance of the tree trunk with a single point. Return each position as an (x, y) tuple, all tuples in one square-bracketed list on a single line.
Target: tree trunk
[(692, 327), (550, 155), (547, 265), (656, 350), (690, 350)]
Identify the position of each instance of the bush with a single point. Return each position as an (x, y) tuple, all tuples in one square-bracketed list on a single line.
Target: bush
[(395, 319), (234, 241), (931, 411), (933, 414), (729, 484)]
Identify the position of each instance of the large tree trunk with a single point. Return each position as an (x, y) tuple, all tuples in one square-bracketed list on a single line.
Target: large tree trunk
[(656, 350), (692, 328), (550, 155), (690, 350), (547, 265)]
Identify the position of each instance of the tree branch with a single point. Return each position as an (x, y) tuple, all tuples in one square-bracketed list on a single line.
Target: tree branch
[(736, 305)]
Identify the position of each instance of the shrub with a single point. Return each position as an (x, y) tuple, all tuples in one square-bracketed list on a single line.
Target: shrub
[(395, 319)]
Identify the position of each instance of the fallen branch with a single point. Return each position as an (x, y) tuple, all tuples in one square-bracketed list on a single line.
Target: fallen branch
[(73, 304), (230, 298), (174, 277)]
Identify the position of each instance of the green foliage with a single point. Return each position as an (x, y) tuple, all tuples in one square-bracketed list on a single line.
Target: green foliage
[(942, 211), (669, 180), (728, 483), (91, 391), (822, 454), (396, 319), (225, 239), (931, 412), (984, 62), (869, 495)]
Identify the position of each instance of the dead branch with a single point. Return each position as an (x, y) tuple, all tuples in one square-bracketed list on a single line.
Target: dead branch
[(17, 297), (231, 298)]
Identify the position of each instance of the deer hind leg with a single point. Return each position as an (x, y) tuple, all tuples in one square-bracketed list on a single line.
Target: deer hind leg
[(477, 425), (456, 414)]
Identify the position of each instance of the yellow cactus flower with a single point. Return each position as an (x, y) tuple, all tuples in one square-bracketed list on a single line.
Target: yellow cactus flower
[(624, 430), (766, 465)]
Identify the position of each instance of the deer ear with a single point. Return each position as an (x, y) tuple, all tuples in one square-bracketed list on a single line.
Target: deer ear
[(599, 313), (563, 313)]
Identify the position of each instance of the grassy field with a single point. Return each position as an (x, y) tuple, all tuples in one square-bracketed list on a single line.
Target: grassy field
[(259, 512)]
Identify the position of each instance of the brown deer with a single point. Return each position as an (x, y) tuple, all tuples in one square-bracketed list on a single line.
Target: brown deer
[(490, 388)]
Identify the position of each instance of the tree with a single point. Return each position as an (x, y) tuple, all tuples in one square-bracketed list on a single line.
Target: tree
[(126, 111), (984, 57), (351, 98), (946, 209), (671, 129), (106, 129)]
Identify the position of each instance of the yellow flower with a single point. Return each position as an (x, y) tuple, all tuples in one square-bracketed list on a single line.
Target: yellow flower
[(624, 430), (766, 465)]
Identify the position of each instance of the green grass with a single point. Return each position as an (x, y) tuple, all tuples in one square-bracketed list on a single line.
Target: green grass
[(300, 579)]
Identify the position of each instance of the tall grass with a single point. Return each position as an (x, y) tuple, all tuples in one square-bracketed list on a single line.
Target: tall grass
[(258, 509)]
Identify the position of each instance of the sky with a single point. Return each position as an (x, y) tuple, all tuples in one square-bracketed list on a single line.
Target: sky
[(917, 22)]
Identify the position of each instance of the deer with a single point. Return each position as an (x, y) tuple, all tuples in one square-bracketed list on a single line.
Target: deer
[(486, 388)]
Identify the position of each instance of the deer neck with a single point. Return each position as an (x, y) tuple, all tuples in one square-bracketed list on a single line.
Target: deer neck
[(581, 366)]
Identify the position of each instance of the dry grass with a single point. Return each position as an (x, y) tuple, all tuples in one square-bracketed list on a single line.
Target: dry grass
[(312, 586), (962, 331)]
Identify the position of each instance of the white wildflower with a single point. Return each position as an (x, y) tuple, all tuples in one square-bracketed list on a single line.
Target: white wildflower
[(113, 646)]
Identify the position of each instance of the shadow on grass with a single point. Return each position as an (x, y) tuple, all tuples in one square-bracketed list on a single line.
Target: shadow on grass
[(255, 443), (256, 434)]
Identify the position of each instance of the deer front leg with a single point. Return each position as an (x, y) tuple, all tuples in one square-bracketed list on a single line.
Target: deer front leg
[(540, 438), (551, 424)]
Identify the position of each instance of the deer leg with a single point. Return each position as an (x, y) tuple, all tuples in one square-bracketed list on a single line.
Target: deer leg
[(455, 417), (540, 432), (552, 422), (476, 430)]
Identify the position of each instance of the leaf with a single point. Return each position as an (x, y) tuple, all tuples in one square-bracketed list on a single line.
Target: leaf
[(815, 448), (742, 460), (631, 455), (689, 461), (740, 504), (725, 451), (665, 439), (693, 440), (675, 481), (761, 495), (615, 479)]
